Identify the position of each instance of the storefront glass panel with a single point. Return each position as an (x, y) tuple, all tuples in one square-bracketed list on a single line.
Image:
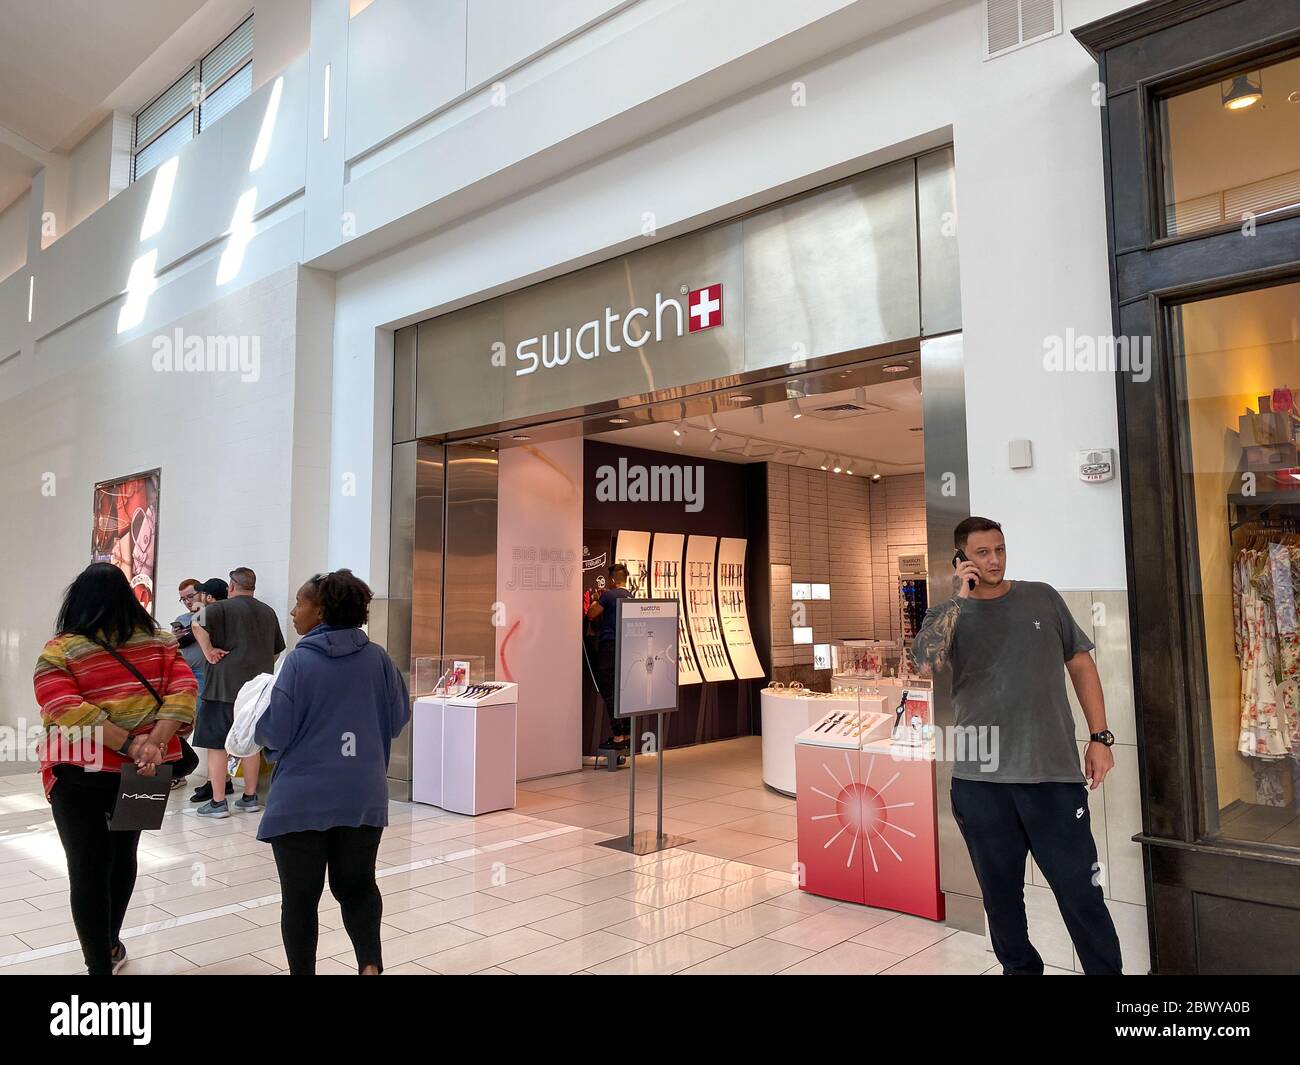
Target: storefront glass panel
[(1237, 360)]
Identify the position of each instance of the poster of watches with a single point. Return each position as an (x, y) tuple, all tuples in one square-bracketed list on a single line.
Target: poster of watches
[(732, 611), (702, 608), (645, 661), (633, 550), (666, 583)]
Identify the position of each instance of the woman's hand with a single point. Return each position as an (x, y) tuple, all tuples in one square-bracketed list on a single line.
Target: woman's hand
[(147, 756)]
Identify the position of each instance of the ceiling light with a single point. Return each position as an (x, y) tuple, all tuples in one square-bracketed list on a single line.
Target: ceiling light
[(825, 459), (713, 426), (795, 412), (749, 447), (1241, 92), (894, 367), (875, 474), (679, 429), (739, 399), (758, 415), (860, 396), (848, 467), (618, 421), (1293, 97), (521, 438), (715, 444), (838, 468)]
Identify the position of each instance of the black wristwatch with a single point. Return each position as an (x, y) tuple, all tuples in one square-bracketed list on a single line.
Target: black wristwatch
[(1106, 739), (125, 749)]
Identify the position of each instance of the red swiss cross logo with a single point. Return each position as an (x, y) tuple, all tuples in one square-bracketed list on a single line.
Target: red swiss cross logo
[(704, 307)]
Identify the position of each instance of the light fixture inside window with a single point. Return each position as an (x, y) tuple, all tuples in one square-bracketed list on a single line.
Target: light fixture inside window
[(1241, 92)]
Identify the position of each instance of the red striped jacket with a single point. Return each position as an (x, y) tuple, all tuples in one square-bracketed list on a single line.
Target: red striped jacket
[(80, 685)]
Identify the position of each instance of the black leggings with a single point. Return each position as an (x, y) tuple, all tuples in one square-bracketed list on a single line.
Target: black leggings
[(606, 655), (101, 864), (348, 854)]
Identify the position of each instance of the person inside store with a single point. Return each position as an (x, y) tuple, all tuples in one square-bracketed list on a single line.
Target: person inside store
[(337, 705), (605, 612), (1005, 642), (112, 690), (241, 639)]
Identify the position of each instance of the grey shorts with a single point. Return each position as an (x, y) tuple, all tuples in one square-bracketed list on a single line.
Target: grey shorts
[(213, 725)]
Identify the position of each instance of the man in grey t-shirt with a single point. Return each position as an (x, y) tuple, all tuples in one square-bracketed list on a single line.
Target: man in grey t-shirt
[(1017, 788), (241, 638)]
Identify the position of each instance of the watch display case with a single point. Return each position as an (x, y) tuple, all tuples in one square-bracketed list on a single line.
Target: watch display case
[(632, 549), (445, 675), (666, 583), (732, 611), (702, 608)]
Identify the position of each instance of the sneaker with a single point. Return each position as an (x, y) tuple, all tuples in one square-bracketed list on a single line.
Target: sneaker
[(119, 958), (203, 793), (178, 783), (214, 809), (247, 804)]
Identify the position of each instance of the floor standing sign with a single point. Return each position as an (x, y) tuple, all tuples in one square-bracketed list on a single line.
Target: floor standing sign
[(645, 682)]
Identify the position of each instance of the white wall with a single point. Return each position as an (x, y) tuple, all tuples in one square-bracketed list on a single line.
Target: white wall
[(1032, 240), (281, 32)]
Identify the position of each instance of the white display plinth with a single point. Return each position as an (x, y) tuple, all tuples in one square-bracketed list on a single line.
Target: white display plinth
[(463, 751), (786, 714)]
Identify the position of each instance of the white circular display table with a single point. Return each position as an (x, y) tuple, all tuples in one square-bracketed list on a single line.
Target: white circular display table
[(786, 713)]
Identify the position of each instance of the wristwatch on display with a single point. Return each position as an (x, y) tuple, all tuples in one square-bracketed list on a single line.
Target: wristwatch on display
[(1106, 738)]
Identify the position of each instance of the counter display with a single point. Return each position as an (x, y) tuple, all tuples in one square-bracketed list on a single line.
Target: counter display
[(789, 711), (867, 827)]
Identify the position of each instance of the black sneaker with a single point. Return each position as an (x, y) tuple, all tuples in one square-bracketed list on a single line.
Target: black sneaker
[(203, 793)]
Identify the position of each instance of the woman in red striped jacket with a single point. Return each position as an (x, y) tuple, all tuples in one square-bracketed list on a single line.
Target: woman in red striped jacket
[(99, 715)]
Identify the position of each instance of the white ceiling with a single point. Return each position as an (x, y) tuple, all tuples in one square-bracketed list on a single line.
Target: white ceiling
[(884, 438), (63, 66)]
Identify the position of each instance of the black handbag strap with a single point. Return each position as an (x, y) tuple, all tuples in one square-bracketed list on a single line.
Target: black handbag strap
[(134, 672)]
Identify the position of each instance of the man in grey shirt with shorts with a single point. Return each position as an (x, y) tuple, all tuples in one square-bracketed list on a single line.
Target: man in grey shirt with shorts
[(1016, 784), (240, 638)]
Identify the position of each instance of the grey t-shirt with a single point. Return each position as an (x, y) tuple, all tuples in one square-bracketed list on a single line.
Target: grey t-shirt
[(250, 631), (1007, 674)]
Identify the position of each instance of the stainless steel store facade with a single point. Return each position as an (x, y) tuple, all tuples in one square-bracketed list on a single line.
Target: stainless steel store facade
[(859, 271)]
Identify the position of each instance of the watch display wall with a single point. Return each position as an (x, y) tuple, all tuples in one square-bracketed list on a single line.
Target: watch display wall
[(732, 611), (700, 589), (633, 550), (666, 583)]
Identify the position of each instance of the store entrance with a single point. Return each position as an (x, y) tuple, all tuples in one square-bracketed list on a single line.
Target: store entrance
[(787, 516)]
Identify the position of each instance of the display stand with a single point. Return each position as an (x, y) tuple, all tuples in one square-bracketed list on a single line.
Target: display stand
[(646, 683)]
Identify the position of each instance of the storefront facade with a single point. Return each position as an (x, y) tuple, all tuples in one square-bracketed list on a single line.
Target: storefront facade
[(1201, 137)]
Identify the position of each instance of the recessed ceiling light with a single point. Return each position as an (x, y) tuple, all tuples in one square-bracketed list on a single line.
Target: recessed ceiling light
[(618, 421), (521, 438), (894, 367)]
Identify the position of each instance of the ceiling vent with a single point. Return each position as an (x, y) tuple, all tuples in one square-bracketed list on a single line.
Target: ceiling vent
[(838, 412), (1012, 24)]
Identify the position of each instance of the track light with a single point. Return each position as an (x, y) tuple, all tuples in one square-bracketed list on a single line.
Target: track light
[(860, 396), (825, 459), (715, 444), (875, 474), (837, 467), (795, 412), (758, 415), (1242, 92), (679, 429), (713, 426), (848, 467)]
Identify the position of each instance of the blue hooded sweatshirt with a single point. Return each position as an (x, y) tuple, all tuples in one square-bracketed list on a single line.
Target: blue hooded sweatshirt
[(337, 705)]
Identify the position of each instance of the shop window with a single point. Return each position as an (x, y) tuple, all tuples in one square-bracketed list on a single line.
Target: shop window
[(1237, 363), (202, 94), (1231, 149)]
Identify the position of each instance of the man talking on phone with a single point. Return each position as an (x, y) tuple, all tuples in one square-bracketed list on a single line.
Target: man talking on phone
[(1006, 643)]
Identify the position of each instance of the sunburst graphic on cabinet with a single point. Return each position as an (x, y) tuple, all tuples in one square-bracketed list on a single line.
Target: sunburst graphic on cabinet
[(862, 814)]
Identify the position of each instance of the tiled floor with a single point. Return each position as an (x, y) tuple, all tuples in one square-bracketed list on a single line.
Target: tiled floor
[(521, 892)]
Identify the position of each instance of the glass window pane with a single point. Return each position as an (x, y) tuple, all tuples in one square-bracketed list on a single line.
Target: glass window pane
[(163, 111), (1232, 148), (1238, 367), (165, 146), (231, 93), (234, 51)]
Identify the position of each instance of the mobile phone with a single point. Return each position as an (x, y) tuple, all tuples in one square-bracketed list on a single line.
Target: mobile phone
[(960, 556)]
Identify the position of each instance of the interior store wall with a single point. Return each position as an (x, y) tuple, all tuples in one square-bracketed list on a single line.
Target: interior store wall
[(847, 531), (539, 630)]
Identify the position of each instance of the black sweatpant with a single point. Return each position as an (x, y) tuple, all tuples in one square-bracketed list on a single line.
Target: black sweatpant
[(101, 864), (348, 855), (1001, 824), (606, 656)]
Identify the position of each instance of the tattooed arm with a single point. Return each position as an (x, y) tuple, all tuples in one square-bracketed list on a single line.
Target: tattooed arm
[(932, 645)]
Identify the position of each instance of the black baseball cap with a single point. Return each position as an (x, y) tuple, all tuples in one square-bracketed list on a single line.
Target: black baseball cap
[(215, 587)]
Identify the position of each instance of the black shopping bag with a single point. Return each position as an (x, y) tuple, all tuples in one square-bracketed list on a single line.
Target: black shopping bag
[(141, 801)]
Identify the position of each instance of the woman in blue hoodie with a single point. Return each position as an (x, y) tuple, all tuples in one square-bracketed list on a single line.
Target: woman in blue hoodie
[(337, 705)]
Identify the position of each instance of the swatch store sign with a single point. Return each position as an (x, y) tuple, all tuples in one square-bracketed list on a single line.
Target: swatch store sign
[(612, 332)]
